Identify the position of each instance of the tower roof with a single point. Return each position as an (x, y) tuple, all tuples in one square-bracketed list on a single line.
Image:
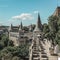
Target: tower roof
[(38, 25), (20, 27), (57, 11), (39, 21), (10, 28)]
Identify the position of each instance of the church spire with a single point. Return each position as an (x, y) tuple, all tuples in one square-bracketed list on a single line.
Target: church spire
[(10, 28), (11, 25), (39, 22), (38, 25), (21, 26)]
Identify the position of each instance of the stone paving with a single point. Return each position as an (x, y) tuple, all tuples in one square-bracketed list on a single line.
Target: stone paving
[(40, 51)]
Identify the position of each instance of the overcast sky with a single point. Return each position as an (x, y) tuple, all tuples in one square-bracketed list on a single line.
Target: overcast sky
[(15, 11)]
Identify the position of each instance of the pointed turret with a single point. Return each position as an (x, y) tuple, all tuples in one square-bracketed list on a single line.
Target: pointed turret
[(20, 31), (20, 26), (39, 22), (10, 28), (38, 25), (11, 25)]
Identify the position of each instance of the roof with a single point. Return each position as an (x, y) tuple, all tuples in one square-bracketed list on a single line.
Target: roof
[(38, 24), (57, 11)]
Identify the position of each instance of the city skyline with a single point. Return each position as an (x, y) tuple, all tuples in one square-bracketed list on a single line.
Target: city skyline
[(15, 11)]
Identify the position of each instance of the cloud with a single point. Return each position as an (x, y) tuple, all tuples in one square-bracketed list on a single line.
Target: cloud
[(23, 16), (10, 21), (36, 12)]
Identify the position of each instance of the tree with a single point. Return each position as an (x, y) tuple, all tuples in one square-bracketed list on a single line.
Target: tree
[(57, 39), (10, 43), (52, 22), (5, 40), (5, 54), (15, 58), (1, 45), (58, 24), (53, 26), (45, 28), (23, 51)]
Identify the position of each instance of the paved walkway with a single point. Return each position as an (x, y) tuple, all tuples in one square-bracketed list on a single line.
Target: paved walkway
[(39, 50)]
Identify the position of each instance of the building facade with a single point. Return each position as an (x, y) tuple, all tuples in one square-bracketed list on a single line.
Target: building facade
[(57, 12), (16, 34)]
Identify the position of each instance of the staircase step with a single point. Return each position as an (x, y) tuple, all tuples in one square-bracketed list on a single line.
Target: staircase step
[(43, 53), (36, 58), (44, 56), (35, 55), (35, 50)]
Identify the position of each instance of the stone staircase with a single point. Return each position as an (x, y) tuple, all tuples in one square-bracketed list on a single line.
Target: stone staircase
[(35, 52), (43, 54), (38, 53)]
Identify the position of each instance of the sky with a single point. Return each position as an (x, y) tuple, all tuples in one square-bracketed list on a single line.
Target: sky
[(15, 11)]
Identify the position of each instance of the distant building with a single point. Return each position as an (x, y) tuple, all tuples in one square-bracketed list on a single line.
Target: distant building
[(17, 35), (30, 28), (57, 12)]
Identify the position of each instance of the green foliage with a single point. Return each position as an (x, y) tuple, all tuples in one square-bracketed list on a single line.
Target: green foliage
[(57, 39), (23, 51), (16, 58), (52, 29), (54, 26), (58, 24), (45, 28), (10, 43), (4, 40), (9, 52), (19, 52), (1, 45), (52, 22)]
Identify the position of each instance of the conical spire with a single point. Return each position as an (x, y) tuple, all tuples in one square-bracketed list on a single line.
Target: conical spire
[(38, 25), (10, 28), (11, 25), (20, 27), (39, 22)]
